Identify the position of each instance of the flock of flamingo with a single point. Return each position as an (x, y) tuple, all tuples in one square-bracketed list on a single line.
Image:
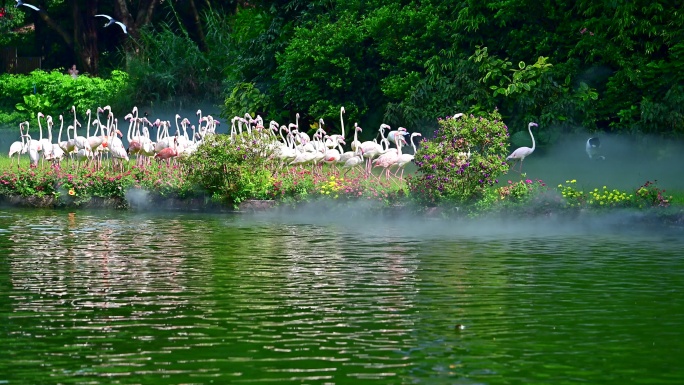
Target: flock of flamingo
[(294, 147), (106, 139), (284, 142)]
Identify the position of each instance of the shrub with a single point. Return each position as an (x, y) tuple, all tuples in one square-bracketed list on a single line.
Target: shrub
[(53, 93), (464, 158), (525, 195), (232, 170), (649, 194)]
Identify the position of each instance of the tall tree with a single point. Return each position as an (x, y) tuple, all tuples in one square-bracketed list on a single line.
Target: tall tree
[(144, 10)]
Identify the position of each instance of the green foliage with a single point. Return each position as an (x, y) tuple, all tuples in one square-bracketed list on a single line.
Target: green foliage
[(462, 161), (231, 171), (615, 66), (647, 195), (507, 80), (167, 64), (244, 97), (55, 93), (33, 104), (531, 197), (320, 67)]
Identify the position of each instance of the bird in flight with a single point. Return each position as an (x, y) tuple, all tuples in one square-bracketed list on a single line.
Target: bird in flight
[(112, 21), (20, 2)]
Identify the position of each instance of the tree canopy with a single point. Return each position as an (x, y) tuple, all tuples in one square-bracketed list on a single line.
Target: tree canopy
[(595, 65)]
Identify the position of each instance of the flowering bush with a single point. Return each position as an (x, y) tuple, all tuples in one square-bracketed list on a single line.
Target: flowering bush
[(464, 158), (650, 195), (77, 186), (572, 197), (230, 171), (528, 194), (297, 184), (647, 195)]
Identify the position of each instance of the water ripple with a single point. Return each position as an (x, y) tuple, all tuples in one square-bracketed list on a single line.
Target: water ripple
[(132, 298)]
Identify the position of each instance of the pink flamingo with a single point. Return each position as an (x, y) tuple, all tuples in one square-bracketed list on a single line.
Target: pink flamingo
[(390, 157), (168, 153)]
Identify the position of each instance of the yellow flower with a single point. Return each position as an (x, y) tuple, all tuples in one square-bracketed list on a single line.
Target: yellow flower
[(560, 186), (573, 181), (72, 192)]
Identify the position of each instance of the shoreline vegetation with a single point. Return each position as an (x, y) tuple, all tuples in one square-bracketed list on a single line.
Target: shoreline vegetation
[(454, 174)]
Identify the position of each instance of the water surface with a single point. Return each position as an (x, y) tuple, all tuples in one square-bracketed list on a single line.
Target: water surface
[(170, 298)]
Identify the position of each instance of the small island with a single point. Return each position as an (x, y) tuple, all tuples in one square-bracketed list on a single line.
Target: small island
[(253, 168)]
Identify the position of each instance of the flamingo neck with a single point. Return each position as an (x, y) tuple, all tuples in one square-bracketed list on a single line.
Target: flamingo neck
[(529, 129)]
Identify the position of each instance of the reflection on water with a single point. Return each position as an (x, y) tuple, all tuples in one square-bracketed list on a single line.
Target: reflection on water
[(105, 297)]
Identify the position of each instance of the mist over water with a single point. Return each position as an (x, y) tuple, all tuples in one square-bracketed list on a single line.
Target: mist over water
[(629, 163)]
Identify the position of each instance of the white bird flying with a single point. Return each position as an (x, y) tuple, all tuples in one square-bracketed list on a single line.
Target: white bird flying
[(112, 21), (20, 2)]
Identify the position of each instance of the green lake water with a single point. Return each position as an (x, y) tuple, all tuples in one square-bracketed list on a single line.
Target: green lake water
[(102, 297)]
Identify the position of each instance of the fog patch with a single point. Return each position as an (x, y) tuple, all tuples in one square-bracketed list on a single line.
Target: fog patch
[(138, 198)]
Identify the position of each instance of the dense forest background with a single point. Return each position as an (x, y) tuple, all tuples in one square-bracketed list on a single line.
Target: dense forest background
[(599, 65)]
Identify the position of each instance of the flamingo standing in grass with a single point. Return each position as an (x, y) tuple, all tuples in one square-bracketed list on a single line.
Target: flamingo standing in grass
[(80, 142), (401, 131), (333, 139), (371, 150), (354, 161), (116, 149), (405, 159), (169, 152), (390, 157), (18, 147), (45, 143), (350, 154), (333, 155), (32, 147), (523, 152)]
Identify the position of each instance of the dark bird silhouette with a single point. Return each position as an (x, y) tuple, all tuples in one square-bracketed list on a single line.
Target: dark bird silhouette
[(20, 2), (592, 148), (112, 21)]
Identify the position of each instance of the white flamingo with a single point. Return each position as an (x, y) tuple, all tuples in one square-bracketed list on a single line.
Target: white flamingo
[(18, 147), (45, 143), (350, 154), (354, 161), (33, 148), (333, 142), (405, 159), (523, 152)]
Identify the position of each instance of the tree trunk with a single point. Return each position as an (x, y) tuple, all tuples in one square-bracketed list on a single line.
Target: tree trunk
[(85, 34), (144, 17), (201, 38)]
